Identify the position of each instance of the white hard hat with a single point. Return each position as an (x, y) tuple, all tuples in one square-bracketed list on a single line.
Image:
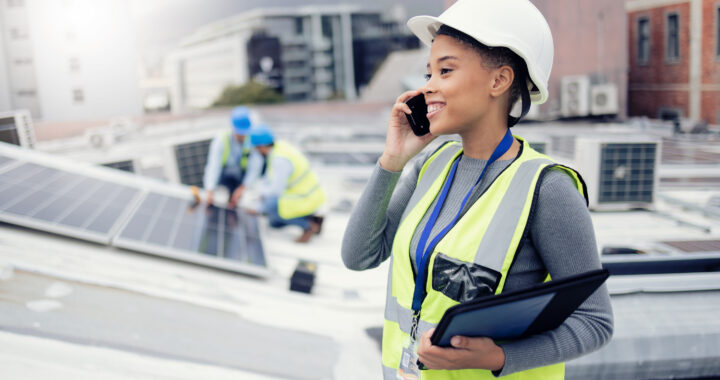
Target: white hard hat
[(514, 24)]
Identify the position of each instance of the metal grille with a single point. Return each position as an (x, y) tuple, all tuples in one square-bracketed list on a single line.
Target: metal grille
[(191, 159), (627, 172), (563, 145)]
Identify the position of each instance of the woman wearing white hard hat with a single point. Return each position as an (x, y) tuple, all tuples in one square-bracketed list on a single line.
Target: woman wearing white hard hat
[(481, 216)]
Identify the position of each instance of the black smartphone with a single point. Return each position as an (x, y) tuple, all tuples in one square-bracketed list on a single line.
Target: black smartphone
[(418, 117)]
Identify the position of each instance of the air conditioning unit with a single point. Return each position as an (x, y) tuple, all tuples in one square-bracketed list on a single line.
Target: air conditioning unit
[(604, 99), (541, 142), (621, 171), (101, 138), (575, 96), (17, 128)]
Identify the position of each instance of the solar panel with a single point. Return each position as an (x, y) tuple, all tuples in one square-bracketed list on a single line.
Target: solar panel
[(40, 197), (191, 159), (127, 215), (178, 228)]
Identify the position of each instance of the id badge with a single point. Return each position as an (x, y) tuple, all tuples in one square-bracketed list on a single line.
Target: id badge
[(408, 369)]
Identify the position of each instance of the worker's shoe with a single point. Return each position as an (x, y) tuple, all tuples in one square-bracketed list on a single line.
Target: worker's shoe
[(305, 237), (314, 229), (316, 222)]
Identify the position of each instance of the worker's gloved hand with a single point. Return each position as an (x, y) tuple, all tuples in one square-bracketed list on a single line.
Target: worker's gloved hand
[(465, 353), (235, 197), (209, 197)]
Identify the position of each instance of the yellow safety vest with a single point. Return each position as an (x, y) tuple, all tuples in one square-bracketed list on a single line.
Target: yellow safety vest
[(227, 141), (501, 214), (303, 194)]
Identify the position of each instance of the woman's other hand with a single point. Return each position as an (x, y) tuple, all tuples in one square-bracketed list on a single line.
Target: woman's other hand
[(465, 353), (401, 144)]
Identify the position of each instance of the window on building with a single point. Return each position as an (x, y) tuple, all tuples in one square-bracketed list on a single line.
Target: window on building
[(672, 45), (78, 96), (298, 25), (25, 93), (643, 40), (22, 61), (670, 113), (74, 65), (18, 34)]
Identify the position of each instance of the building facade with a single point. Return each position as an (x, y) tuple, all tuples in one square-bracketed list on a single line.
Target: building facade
[(322, 53), (589, 73), (674, 49), (68, 60)]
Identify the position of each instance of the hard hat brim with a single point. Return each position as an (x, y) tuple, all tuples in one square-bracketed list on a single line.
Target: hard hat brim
[(425, 28)]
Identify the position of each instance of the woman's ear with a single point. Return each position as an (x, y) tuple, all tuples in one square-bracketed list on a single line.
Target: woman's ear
[(502, 80)]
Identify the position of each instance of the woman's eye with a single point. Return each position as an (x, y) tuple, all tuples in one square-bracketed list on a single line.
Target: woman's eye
[(445, 71)]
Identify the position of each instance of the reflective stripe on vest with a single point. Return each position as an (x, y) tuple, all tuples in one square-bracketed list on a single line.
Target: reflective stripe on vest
[(501, 214), (227, 141), (303, 193)]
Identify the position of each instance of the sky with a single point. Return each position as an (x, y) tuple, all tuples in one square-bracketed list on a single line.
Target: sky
[(161, 23)]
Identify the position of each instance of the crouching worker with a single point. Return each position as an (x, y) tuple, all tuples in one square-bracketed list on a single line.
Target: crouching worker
[(290, 189)]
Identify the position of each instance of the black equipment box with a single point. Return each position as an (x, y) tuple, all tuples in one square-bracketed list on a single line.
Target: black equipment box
[(303, 278)]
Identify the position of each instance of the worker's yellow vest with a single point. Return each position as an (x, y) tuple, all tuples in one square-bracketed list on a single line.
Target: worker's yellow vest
[(227, 141), (484, 240), (303, 194)]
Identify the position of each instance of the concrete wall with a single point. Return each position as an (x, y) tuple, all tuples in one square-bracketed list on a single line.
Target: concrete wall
[(98, 38)]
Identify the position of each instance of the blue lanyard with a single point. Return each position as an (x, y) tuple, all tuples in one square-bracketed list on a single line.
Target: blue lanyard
[(423, 252)]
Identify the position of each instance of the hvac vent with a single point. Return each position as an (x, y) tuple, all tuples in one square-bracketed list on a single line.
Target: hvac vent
[(574, 96), (17, 128), (604, 99), (620, 173), (190, 159)]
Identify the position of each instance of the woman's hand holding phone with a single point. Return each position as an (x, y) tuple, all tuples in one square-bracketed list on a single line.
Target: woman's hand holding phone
[(401, 143)]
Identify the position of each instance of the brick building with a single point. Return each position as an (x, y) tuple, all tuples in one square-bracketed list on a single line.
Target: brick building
[(674, 51), (590, 42)]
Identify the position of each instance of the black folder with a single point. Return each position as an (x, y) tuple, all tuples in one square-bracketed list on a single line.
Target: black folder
[(519, 313)]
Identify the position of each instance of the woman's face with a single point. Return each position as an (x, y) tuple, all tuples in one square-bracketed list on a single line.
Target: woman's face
[(458, 88)]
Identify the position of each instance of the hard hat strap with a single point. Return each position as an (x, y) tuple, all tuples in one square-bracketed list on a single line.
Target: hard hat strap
[(525, 100)]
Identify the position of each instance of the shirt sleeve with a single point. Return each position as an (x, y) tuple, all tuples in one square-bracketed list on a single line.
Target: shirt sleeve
[(254, 168), (375, 218), (563, 235), (275, 184), (213, 167)]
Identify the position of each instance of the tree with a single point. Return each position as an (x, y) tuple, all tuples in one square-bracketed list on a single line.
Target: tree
[(249, 93)]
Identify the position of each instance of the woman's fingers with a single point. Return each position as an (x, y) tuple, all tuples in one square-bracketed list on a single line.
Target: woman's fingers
[(405, 96)]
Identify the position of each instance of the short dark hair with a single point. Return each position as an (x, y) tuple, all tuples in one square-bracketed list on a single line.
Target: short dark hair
[(494, 57)]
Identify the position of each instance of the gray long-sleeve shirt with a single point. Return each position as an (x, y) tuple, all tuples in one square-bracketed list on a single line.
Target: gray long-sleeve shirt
[(561, 242)]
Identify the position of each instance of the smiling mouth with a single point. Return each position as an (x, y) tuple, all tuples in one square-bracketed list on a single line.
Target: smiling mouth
[(434, 109)]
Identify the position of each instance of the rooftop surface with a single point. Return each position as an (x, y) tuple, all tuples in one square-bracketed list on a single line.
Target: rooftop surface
[(73, 309)]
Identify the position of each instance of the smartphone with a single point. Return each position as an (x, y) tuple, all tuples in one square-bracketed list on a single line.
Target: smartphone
[(418, 117)]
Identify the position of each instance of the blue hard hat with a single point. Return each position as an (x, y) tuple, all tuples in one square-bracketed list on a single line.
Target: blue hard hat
[(240, 117), (262, 135)]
